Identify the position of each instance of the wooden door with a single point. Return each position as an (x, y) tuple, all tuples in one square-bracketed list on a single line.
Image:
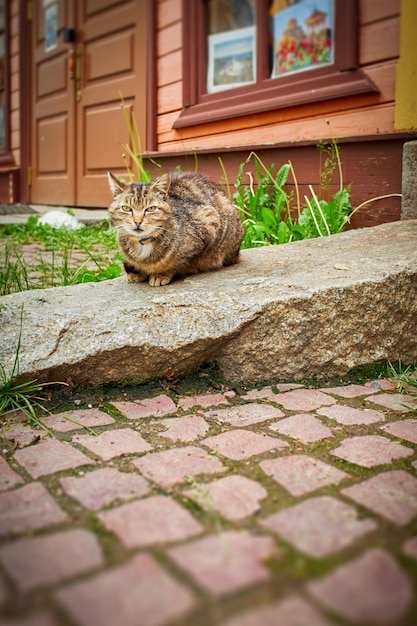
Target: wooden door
[(79, 127)]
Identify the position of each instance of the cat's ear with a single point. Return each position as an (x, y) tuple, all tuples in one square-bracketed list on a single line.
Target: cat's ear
[(161, 185), (116, 186)]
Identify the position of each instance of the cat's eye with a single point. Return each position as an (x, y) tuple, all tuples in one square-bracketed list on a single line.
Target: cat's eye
[(150, 209), (126, 209)]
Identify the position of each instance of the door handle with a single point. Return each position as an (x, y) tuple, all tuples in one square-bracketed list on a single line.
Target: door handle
[(71, 64)]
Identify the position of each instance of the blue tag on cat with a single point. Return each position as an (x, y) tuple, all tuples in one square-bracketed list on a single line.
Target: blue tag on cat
[(146, 240)]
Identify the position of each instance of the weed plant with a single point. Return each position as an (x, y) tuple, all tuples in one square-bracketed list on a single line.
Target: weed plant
[(405, 377)]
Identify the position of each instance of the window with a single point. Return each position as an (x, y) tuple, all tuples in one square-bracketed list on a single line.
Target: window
[(250, 56)]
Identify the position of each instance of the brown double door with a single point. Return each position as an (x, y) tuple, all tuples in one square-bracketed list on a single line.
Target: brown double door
[(85, 56)]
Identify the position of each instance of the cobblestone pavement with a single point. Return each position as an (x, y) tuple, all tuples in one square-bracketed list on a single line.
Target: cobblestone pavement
[(284, 505)]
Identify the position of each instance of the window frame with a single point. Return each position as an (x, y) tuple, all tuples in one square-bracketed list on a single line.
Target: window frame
[(340, 78), (5, 151)]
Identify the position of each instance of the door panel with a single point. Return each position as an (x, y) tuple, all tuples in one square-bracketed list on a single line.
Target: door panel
[(53, 112), (78, 126)]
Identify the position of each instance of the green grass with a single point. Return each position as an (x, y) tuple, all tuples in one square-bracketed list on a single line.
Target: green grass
[(405, 377), (55, 263)]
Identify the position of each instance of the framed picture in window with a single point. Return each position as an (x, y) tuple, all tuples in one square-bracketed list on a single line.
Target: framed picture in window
[(231, 59), (302, 36)]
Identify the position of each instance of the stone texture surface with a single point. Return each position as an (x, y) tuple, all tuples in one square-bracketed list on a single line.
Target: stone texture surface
[(319, 526), (408, 182), (238, 528), (376, 289), (370, 590)]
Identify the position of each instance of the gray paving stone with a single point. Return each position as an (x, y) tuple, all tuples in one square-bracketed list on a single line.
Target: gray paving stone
[(292, 611), (300, 474), (410, 548), (8, 477), (204, 400), (140, 589), (304, 427), (172, 466), (304, 400), (113, 443), (394, 401), (49, 457), (38, 561), (234, 497), (404, 429), (28, 508), (246, 414), (71, 420), (390, 494), (370, 450), (151, 407), (225, 562), (241, 444), (101, 487), (349, 416), (350, 391), (319, 526), (369, 590), (186, 428), (158, 519)]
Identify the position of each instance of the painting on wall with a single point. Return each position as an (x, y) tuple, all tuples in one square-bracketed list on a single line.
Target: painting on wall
[(302, 35), (231, 59)]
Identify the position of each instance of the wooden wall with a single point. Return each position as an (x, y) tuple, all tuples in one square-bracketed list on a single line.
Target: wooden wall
[(363, 124)]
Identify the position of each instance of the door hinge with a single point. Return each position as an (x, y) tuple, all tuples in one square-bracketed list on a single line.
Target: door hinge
[(29, 176), (30, 10)]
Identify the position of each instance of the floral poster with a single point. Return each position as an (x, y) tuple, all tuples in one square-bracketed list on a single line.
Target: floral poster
[(302, 36), (232, 59)]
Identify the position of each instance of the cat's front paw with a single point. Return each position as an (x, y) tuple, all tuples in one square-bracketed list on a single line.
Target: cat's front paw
[(158, 280)]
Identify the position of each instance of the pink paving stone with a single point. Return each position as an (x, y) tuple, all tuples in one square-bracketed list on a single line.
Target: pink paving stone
[(209, 399), (370, 450), (158, 519), (150, 407), (23, 434), (390, 494), (410, 548), (186, 428), (381, 383), (304, 400), (39, 561), (28, 508), (40, 619), (246, 414), (172, 466), (101, 487), (372, 589), (301, 474), (400, 402), (265, 393), (138, 592), (49, 457), (404, 429), (234, 497), (293, 611), (304, 427), (113, 443), (74, 420), (414, 464), (349, 416), (242, 444), (225, 562), (320, 526), (350, 391), (8, 477)]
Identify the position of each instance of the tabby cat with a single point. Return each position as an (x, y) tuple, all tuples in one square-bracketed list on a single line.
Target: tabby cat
[(179, 224)]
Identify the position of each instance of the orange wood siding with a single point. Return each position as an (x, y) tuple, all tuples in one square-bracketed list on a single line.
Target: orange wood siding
[(355, 116)]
